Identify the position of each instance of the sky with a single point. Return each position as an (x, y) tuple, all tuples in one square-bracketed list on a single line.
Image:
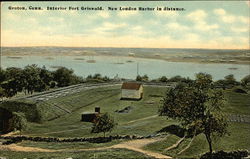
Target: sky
[(205, 24)]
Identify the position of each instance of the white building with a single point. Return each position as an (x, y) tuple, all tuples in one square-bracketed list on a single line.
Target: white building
[(132, 90)]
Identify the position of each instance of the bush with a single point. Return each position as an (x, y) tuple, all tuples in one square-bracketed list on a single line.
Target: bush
[(226, 155), (18, 122), (103, 123)]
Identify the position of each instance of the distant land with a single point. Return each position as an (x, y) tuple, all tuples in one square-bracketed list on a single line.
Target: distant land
[(170, 54)]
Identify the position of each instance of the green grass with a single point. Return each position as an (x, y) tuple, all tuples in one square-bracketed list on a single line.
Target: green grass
[(103, 154), (237, 103), (70, 125)]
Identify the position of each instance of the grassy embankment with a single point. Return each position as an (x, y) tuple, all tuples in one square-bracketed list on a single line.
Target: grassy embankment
[(238, 137), (108, 99)]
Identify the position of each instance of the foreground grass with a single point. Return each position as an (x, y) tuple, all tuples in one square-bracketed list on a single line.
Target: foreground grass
[(104, 154), (75, 145)]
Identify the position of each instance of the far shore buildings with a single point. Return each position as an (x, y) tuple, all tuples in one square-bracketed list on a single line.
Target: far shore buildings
[(132, 91)]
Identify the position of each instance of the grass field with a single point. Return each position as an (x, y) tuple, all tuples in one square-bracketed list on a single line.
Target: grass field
[(142, 120), (237, 103)]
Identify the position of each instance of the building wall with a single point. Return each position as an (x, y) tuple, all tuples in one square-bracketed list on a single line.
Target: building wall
[(133, 94), (89, 117)]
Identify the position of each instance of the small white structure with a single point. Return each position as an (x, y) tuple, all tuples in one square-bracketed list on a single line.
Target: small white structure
[(132, 90)]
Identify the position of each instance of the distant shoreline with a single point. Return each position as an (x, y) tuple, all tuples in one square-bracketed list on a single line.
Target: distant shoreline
[(169, 59), (204, 56)]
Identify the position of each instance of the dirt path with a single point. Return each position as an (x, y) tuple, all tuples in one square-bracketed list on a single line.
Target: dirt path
[(14, 147), (132, 121), (134, 145), (137, 145)]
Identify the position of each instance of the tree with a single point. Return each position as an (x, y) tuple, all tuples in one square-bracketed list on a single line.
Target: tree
[(15, 78), (177, 79), (103, 123), (2, 75), (138, 78), (197, 107), (143, 78), (230, 81), (46, 76), (65, 77), (9, 88), (33, 80), (163, 79), (2, 93), (203, 80)]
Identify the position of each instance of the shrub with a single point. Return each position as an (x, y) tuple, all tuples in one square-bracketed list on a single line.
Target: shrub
[(225, 155), (18, 122)]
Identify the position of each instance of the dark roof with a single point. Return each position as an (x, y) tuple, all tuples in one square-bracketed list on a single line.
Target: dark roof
[(131, 85)]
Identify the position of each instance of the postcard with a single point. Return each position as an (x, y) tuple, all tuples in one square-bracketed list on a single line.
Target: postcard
[(124, 79)]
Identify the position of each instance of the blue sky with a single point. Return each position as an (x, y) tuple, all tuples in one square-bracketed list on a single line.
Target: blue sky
[(220, 25)]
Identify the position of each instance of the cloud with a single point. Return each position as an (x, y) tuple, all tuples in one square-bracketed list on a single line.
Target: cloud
[(229, 18), (138, 31), (56, 19), (176, 26), (248, 3), (168, 14), (199, 19), (244, 40), (107, 28), (220, 12), (32, 21), (240, 29), (103, 14), (190, 40), (112, 26), (11, 16), (198, 15), (243, 19), (191, 37), (126, 14), (203, 26)]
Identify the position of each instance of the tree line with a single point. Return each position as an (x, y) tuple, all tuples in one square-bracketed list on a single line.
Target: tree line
[(229, 81), (32, 79)]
